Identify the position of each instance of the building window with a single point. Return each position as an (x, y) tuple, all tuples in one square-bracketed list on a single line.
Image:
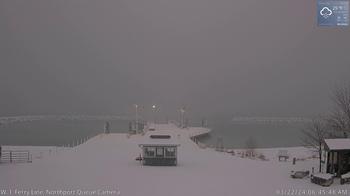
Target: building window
[(150, 151), (170, 152), (160, 152)]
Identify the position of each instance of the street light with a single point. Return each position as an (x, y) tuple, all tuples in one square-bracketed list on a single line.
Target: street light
[(154, 113), (136, 118), (182, 110)]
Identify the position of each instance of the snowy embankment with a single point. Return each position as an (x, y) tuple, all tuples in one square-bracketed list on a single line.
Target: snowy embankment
[(107, 163)]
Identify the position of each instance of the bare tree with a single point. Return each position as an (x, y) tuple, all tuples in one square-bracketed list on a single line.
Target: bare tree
[(339, 119), (314, 135)]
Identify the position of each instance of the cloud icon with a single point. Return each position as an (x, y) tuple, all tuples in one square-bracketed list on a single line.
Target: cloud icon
[(326, 12)]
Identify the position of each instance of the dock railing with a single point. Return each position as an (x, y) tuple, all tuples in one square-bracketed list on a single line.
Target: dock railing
[(15, 156)]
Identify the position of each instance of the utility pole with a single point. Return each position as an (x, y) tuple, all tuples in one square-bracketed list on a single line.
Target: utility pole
[(136, 119)]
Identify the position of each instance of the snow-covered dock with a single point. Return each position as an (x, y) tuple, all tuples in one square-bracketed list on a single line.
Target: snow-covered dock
[(105, 165), (186, 132)]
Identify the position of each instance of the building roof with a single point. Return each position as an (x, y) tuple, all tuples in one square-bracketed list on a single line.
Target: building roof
[(147, 140), (338, 144)]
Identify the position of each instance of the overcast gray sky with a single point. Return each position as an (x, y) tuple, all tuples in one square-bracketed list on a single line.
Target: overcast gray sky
[(222, 57)]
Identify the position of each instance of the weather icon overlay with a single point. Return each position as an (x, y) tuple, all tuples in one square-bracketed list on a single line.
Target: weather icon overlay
[(333, 13)]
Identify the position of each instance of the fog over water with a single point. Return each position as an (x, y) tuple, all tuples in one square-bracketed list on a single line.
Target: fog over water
[(68, 132), (218, 58)]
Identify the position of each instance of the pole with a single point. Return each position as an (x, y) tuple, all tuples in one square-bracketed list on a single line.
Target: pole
[(154, 113), (136, 120), (182, 117)]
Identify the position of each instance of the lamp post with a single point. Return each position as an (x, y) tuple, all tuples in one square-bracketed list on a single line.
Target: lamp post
[(136, 118), (182, 110), (154, 113)]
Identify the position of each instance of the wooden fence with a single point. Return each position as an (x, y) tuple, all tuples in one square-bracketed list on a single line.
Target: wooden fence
[(15, 156)]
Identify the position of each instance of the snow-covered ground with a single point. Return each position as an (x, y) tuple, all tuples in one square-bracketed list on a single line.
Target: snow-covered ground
[(106, 164)]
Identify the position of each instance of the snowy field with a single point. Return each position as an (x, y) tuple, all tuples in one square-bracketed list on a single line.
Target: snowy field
[(106, 165)]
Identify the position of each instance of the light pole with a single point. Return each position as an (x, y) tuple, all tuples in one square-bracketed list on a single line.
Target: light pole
[(136, 118), (182, 110), (154, 113)]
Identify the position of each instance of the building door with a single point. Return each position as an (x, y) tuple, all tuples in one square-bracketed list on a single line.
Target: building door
[(160, 152)]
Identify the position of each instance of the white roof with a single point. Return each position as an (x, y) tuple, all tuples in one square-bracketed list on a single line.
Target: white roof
[(147, 140), (338, 144), (347, 175), (323, 176)]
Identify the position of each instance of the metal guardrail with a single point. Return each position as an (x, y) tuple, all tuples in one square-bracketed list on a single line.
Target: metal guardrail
[(15, 156)]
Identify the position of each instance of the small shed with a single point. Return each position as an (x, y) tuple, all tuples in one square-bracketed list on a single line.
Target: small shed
[(159, 150), (336, 156)]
